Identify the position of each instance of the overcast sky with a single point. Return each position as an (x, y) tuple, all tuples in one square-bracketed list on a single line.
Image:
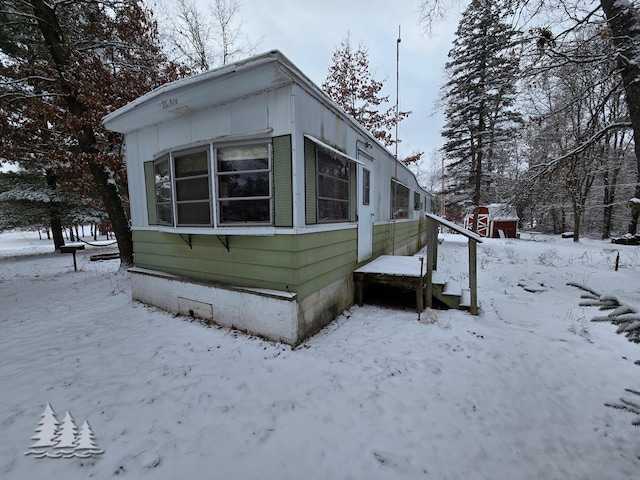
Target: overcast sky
[(308, 32)]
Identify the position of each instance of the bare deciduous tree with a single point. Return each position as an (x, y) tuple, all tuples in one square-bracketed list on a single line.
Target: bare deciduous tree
[(206, 38)]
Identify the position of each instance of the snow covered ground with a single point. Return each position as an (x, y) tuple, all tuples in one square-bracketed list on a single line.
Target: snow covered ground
[(517, 392)]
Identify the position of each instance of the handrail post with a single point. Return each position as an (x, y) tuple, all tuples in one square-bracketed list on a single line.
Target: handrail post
[(473, 277), (431, 253)]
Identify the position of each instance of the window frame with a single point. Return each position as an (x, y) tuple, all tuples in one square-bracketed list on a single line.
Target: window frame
[(345, 183), (176, 180), (268, 143), (366, 186), (395, 206), (173, 181), (417, 201), (159, 218)]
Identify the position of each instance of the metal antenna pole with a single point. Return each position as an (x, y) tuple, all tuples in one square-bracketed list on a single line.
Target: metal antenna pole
[(395, 175)]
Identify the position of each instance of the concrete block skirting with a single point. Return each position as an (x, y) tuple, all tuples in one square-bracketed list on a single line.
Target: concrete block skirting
[(268, 313)]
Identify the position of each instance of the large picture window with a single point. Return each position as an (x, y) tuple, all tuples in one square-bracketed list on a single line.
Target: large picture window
[(244, 184), (333, 188), (185, 184)]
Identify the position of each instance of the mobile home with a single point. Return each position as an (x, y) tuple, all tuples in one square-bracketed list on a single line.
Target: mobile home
[(254, 197)]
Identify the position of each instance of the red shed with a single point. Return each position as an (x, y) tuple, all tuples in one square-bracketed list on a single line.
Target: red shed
[(495, 220)]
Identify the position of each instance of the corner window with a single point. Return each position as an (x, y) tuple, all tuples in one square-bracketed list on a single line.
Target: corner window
[(417, 201), (182, 188), (399, 200), (244, 184), (333, 177)]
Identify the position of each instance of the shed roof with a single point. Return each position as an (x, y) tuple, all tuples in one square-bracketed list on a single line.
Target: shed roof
[(502, 212)]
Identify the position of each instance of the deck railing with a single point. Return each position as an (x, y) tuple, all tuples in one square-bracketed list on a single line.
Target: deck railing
[(432, 258)]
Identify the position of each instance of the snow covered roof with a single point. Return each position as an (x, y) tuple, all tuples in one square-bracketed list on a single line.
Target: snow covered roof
[(201, 91), (502, 212)]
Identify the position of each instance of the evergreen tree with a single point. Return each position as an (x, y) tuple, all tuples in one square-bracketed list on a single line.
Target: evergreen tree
[(65, 65), (479, 99)]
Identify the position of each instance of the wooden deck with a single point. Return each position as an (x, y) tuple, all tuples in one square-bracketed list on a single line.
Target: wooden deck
[(393, 270)]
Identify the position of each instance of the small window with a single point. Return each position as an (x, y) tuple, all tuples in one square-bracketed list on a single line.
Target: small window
[(333, 188), (399, 200), (366, 187), (417, 201), (163, 189), (244, 184)]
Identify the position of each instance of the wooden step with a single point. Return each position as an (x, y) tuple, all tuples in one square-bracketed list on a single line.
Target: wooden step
[(438, 278), (452, 288), (449, 294)]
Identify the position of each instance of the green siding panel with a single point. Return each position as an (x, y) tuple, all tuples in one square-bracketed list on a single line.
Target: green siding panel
[(405, 232), (301, 263), (282, 180), (310, 182), (150, 190)]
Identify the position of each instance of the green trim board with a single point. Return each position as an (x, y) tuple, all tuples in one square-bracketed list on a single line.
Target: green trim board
[(353, 192), (310, 167), (282, 181)]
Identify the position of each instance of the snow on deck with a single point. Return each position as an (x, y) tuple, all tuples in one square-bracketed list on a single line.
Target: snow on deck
[(395, 265)]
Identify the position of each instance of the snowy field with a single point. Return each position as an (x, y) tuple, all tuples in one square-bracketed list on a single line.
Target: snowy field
[(517, 392)]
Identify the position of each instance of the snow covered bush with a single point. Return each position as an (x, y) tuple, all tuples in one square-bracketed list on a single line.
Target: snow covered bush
[(627, 319)]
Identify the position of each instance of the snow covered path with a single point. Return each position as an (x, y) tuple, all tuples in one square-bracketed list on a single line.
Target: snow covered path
[(515, 393)]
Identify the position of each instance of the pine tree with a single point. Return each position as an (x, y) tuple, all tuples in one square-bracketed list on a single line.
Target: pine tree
[(351, 85), (64, 66), (26, 201), (479, 99)]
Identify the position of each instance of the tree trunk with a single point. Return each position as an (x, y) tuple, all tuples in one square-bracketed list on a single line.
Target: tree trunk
[(54, 39), (608, 213), (624, 22), (54, 216), (577, 215), (610, 181), (117, 215)]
